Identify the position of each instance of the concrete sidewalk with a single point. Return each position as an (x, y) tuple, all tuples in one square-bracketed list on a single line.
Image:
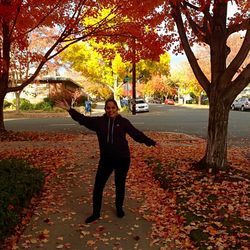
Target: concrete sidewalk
[(58, 218)]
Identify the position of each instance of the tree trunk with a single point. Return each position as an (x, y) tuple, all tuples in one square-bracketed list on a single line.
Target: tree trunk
[(2, 127), (115, 92), (18, 93), (199, 99), (216, 152)]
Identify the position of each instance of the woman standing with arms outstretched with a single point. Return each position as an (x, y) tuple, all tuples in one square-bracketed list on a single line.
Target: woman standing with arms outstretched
[(111, 130)]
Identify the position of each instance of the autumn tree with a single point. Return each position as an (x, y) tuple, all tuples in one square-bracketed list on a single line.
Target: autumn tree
[(203, 55), (71, 21), (159, 86), (147, 68), (102, 64), (134, 23), (100, 69), (154, 76), (208, 22), (22, 62), (186, 81)]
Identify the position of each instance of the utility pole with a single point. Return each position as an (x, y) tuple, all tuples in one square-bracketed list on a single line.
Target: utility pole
[(133, 80)]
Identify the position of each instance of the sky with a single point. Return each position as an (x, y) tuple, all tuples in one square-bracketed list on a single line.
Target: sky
[(176, 60)]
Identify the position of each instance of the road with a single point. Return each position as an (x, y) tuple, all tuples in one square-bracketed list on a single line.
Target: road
[(180, 119)]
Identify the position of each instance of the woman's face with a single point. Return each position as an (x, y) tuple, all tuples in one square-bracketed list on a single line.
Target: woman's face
[(111, 109)]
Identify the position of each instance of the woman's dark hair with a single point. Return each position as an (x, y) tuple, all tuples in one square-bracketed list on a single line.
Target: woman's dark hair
[(111, 100)]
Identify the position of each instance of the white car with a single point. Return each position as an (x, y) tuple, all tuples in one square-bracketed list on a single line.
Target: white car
[(140, 105), (242, 104)]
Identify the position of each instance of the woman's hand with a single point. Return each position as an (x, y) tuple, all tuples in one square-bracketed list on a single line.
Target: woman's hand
[(62, 104)]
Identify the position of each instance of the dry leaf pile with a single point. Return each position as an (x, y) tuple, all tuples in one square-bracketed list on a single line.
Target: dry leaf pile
[(188, 209)]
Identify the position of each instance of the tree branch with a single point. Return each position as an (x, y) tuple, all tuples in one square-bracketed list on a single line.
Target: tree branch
[(44, 18), (191, 5), (194, 26), (200, 32), (16, 17), (238, 60), (48, 55), (244, 25), (41, 64), (237, 85), (202, 79), (243, 79)]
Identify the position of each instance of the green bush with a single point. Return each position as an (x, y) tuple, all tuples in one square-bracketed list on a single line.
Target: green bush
[(19, 182), (46, 105), (24, 104), (7, 104), (49, 101)]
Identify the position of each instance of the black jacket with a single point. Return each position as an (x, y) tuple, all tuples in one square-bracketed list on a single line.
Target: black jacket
[(111, 133)]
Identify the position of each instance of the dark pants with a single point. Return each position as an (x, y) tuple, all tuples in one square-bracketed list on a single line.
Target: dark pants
[(105, 169)]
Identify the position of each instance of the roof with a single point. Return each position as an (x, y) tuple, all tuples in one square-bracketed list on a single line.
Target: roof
[(58, 79)]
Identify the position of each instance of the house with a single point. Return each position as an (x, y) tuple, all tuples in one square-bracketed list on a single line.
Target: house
[(58, 84), (46, 87)]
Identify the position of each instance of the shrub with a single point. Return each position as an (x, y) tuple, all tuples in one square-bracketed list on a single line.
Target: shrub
[(42, 106), (7, 104), (46, 105), (24, 104), (19, 182), (49, 101)]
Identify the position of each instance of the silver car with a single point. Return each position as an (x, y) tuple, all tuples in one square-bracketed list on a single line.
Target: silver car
[(242, 104)]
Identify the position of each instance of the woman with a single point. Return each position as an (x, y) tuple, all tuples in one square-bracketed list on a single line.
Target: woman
[(111, 130)]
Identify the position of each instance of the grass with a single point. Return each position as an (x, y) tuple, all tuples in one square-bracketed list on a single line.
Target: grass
[(19, 182)]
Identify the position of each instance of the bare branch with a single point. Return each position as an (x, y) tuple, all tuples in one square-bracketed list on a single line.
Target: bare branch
[(243, 79), (28, 81), (74, 40), (244, 25), (191, 5), (202, 79), (238, 60), (200, 32), (237, 85)]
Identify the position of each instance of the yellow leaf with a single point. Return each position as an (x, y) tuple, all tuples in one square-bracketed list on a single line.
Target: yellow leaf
[(90, 242)]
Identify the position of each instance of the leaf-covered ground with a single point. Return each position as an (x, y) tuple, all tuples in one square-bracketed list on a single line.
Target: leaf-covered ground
[(185, 208)]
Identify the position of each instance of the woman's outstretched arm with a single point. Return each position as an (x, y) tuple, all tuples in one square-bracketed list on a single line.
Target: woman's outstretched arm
[(89, 122)]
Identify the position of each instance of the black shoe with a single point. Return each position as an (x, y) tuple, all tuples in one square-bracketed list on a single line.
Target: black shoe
[(92, 218), (120, 213)]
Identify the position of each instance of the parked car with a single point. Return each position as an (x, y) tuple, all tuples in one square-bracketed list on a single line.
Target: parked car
[(242, 104), (153, 100), (140, 105), (169, 101)]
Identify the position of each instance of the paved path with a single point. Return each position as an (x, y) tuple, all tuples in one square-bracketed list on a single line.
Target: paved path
[(58, 220)]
